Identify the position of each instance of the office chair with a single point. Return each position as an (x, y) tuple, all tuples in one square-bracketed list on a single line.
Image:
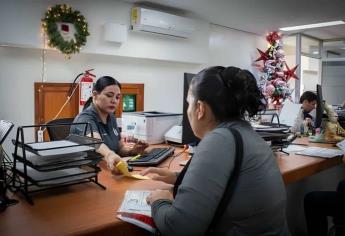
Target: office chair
[(59, 129)]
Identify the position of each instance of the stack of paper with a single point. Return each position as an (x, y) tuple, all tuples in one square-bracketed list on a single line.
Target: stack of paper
[(321, 152), (57, 147), (294, 148), (135, 210)]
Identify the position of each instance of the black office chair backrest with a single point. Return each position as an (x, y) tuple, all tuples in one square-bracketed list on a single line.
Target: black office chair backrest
[(5, 128), (59, 129)]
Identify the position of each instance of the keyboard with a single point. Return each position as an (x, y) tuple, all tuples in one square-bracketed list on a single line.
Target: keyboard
[(152, 158)]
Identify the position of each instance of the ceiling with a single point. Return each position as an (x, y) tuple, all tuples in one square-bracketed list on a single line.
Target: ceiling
[(261, 16)]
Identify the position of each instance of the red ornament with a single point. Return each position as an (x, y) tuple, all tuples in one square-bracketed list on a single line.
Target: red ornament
[(272, 37), (263, 55), (290, 73), (65, 28)]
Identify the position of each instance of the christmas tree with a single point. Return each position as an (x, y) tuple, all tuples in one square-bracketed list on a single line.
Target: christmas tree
[(273, 80)]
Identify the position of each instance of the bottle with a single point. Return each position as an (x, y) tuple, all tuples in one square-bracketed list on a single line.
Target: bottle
[(305, 127), (40, 136)]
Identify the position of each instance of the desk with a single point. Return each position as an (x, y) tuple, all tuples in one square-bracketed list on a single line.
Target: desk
[(296, 167), (86, 209)]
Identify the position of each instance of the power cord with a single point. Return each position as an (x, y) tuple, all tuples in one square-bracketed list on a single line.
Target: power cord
[(70, 95), (185, 148)]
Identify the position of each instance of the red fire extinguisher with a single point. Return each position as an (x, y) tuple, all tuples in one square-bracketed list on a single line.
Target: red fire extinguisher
[(86, 85)]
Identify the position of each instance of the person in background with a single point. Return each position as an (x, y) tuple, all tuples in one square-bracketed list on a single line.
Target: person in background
[(99, 112), (219, 98), (320, 204), (308, 101)]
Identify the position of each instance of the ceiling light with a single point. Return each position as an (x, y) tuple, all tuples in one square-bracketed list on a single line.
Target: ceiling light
[(311, 26)]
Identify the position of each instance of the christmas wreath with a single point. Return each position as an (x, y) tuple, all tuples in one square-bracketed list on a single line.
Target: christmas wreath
[(66, 29)]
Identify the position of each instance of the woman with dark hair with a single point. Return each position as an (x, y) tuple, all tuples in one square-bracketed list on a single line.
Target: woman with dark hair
[(218, 100), (99, 112)]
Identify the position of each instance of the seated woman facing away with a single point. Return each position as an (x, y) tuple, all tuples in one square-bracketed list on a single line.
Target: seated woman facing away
[(99, 112), (218, 99)]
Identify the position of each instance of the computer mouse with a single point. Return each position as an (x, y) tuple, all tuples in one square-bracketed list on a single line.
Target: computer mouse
[(130, 168)]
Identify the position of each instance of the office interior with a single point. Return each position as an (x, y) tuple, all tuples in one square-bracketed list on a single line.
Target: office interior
[(227, 33)]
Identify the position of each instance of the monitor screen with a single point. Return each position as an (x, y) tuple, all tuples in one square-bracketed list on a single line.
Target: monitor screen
[(129, 102), (188, 136), (319, 106)]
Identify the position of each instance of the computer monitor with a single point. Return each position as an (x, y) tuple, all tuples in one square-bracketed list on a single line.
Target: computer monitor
[(319, 106), (188, 136)]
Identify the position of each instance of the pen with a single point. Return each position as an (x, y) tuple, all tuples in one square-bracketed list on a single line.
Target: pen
[(135, 157)]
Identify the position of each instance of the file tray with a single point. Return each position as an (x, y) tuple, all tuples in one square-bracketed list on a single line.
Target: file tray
[(44, 165), (56, 162), (60, 147), (57, 177), (85, 140)]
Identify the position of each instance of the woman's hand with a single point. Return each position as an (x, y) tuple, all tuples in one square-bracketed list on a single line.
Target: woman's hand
[(159, 194), (112, 159), (138, 148), (161, 174)]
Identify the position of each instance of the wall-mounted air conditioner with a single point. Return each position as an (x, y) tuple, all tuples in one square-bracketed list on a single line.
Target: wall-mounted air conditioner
[(158, 22)]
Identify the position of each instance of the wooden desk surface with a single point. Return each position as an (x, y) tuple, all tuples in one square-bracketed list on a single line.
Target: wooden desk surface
[(86, 209), (296, 167)]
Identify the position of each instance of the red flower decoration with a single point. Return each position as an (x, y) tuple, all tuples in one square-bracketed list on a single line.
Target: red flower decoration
[(272, 37)]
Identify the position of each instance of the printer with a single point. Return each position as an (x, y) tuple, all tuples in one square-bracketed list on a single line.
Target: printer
[(149, 126)]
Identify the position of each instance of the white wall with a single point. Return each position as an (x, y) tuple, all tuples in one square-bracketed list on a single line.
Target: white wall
[(21, 67), (233, 47), (20, 25)]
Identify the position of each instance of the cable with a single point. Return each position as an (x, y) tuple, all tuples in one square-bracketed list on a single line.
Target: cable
[(70, 94), (185, 148), (73, 83)]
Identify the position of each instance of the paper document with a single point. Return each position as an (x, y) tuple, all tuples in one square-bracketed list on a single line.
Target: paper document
[(341, 145), (60, 147), (123, 169), (134, 209), (322, 152), (294, 148), (52, 144), (258, 126), (135, 202)]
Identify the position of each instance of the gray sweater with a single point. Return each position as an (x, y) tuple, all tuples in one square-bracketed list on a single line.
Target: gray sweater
[(257, 206)]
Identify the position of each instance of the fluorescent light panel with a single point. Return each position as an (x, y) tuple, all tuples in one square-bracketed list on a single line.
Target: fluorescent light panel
[(311, 26)]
